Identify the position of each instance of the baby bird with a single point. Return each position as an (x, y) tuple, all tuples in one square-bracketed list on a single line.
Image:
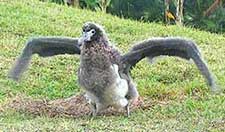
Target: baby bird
[(104, 73)]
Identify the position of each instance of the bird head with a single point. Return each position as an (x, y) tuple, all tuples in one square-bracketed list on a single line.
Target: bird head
[(91, 32)]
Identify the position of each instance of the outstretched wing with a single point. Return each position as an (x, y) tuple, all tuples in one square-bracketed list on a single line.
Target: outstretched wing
[(179, 47), (44, 47)]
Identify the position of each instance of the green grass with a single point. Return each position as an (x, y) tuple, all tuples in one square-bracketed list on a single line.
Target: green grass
[(184, 101)]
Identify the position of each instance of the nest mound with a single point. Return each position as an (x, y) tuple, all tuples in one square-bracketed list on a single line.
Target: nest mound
[(75, 106)]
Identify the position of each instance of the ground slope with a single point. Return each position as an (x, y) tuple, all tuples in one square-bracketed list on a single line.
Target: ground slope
[(183, 101)]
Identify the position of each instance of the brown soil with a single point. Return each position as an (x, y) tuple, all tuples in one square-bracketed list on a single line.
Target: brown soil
[(75, 106)]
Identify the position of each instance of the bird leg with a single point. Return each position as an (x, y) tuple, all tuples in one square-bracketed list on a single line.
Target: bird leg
[(93, 109), (96, 108), (127, 108)]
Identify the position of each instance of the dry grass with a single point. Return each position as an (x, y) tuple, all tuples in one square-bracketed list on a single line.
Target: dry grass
[(75, 106)]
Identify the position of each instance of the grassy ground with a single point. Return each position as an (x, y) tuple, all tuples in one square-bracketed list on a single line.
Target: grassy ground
[(184, 102)]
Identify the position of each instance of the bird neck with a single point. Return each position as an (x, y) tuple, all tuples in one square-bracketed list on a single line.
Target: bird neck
[(99, 42)]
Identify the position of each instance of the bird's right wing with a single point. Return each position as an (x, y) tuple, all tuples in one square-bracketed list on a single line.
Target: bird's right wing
[(179, 47), (44, 47)]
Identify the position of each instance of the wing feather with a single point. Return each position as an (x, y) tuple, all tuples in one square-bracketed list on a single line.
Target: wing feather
[(44, 47), (178, 47)]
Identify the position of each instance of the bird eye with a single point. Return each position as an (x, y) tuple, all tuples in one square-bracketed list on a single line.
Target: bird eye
[(93, 31)]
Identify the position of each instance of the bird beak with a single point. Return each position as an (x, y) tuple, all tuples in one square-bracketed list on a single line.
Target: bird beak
[(86, 36)]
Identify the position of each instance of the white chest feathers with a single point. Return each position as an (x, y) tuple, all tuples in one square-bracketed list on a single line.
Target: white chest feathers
[(121, 86), (113, 95), (120, 89)]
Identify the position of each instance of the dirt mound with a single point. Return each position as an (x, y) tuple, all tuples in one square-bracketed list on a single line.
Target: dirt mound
[(74, 106)]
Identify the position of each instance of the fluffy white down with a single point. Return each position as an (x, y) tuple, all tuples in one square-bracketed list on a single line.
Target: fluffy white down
[(120, 89), (115, 94)]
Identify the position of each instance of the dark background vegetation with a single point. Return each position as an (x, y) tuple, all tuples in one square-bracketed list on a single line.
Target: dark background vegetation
[(153, 11)]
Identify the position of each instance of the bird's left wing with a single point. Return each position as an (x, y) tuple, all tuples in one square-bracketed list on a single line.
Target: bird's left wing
[(44, 47), (179, 47)]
